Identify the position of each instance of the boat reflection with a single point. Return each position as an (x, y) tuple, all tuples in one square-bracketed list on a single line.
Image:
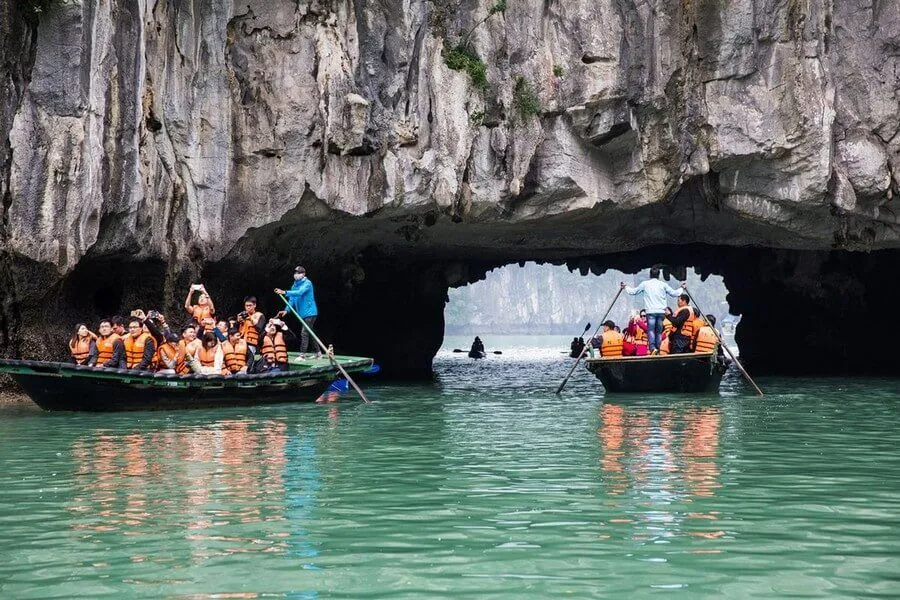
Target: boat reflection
[(660, 467), (235, 487)]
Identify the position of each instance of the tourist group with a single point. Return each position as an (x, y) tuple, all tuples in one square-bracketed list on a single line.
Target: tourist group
[(243, 343)]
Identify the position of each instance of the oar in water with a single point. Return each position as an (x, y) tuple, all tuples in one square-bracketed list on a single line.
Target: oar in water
[(313, 335), (583, 350), (727, 349)]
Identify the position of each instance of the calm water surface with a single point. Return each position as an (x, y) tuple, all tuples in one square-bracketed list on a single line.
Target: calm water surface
[(484, 484)]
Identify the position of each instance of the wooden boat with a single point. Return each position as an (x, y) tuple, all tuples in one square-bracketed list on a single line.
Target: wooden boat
[(65, 386), (673, 373)]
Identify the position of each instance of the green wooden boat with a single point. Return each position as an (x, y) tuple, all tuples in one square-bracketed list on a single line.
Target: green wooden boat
[(65, 386)]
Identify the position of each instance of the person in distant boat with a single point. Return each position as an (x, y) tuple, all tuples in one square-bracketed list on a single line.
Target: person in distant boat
[(252, 323), (654, 292), (477, 346), (110, 351), (611, 341), (203, 308), (635, 341), (140, 349), (302, 299), (273, 348), (81, 345), (237, 352), (576, 347), (707, 341), (683, 327)]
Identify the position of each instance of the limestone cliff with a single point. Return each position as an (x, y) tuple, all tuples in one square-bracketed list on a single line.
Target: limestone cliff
[(179, 134)]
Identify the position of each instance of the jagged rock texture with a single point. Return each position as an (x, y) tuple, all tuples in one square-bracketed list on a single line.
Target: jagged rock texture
[(171, 127), (182, 134)]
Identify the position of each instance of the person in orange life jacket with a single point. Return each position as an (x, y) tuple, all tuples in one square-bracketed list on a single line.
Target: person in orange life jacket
[(272, 346), (683, 323), (110, 351), (611, 340), (635, 343), (140, 348), (207, 325), (252, 323), (706, 338), (209, 355), (204, 307), (236, 352), (81, 345)]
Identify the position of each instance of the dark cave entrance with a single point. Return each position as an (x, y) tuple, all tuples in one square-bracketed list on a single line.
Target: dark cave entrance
[(800, 309)]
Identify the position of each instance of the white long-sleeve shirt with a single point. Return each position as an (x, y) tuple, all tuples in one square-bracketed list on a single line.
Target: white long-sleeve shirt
[(654, 292)]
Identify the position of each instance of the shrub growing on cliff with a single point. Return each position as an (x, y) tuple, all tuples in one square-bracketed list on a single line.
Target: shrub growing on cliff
[(461, 58), (524, 98)]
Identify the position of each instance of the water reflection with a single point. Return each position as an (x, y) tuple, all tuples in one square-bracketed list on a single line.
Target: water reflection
[(231, 476), (656, 462)]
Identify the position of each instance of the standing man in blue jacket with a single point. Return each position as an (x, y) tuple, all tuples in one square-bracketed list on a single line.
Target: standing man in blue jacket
[(303, 300)]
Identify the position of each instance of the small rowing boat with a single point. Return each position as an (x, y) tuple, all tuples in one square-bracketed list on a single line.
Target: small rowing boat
[(65, 386), (672, 373)]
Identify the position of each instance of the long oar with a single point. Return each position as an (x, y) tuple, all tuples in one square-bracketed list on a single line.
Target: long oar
[(583, 350), (727, 349), (324, 349)]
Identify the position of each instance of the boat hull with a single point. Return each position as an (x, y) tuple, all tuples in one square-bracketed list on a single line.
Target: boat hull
[(64, 387), (671, 373)]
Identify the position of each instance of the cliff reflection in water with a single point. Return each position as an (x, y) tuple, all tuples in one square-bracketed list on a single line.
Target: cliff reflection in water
[(190, 486), (664, 460)]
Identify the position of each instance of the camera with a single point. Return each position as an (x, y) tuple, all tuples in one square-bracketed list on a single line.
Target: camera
[(153, 314), (243, 315), (196, 286)]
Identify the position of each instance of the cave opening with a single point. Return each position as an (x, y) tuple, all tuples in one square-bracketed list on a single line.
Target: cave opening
[(541, 300)]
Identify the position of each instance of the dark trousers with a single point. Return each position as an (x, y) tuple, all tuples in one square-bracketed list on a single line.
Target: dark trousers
[(305, 346)]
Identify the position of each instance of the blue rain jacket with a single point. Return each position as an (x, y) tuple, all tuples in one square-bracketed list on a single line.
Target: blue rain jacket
[(302, 298)]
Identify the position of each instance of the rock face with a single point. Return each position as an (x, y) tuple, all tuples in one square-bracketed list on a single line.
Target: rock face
[(147, 143)]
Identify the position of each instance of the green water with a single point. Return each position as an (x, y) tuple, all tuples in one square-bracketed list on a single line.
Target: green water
[(482, 485)]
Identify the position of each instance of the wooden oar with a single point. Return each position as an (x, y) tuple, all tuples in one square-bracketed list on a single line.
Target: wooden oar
[(725, 346), (586, 346), (324, 349)]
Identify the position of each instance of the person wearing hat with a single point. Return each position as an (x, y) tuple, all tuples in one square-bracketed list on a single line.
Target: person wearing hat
[(303, 300)]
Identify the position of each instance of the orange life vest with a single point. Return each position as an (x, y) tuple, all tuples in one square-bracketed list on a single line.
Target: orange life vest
[(199, 312), (640, 336), (171, 351), (249, 332), (206, 356), (687, 328), (664, 346), (235, 356), (698, 323), (105, 347), (611, 343), (275, 350), (667, 326), (134, 349), (706, 339), (81, 349)]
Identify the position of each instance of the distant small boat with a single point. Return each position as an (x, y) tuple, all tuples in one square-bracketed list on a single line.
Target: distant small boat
[(668, 373), (476, 354), (65, 386)]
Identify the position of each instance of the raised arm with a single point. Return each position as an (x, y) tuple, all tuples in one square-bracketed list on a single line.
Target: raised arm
[(187, 301), (675, 293), (633, 291), (212, 307)]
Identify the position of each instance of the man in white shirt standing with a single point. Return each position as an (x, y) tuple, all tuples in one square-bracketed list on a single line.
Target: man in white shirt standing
[(654, 292)]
